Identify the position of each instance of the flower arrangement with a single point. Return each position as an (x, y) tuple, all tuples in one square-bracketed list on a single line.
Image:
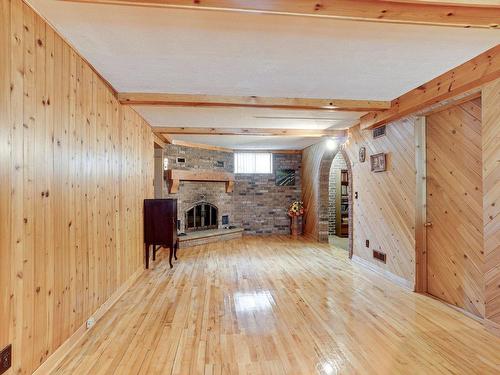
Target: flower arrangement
[(296, 209)]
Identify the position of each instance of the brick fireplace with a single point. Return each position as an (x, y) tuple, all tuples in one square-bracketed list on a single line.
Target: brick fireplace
[(255, 204)]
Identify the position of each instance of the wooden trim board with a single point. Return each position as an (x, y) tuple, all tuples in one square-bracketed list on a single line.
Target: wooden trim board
[(420, 206), (159, 140), (408, 12), (55, 359), (199, 145), (384, 273), (175, 176), (283, 132), (473, 73), (490, 325), (198, 100), (296, 152)]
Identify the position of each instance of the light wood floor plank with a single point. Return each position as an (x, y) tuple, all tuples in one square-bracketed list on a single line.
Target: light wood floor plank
[(272, 305)]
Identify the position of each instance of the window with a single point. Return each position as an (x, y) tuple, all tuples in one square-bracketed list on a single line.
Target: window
[(253, 162)]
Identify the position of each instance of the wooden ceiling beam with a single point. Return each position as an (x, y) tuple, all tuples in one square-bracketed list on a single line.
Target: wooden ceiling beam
[(289, 152), (159, 140), (410, 12), (199, 145), (250, 131), (188, 100), (468, 76)]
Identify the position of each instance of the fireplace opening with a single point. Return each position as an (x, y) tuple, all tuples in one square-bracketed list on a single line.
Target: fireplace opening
[(201, 216)]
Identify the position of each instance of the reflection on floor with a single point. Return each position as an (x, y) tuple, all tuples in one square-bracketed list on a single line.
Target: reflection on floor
[(273, 305), (341, 242)]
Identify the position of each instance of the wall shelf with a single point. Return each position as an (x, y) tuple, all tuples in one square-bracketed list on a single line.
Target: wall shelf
[(175, 176)]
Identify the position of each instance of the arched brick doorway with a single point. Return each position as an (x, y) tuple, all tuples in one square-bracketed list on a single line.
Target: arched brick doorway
[(324, 181)]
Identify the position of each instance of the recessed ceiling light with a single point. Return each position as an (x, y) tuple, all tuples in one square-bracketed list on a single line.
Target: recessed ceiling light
[(331, 144)]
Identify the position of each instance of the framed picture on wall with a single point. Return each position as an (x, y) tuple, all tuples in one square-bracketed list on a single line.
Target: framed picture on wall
[(285, 177), (378, 162), (362, 154)]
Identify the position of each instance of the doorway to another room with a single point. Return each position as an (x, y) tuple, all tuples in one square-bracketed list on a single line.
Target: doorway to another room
[(338, 203)]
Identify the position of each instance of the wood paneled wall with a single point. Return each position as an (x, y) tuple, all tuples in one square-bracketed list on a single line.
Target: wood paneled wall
[(384, 212), (491, 197), (75, 166), (455, 206)]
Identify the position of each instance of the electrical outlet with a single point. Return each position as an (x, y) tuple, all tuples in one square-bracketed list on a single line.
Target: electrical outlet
[(5, 359), (90, 322), (367, 243)]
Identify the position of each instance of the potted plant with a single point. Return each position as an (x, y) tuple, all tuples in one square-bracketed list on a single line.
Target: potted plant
[(295, 210)]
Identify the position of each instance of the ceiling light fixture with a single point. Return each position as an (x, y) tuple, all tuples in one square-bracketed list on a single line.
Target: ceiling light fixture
[(331, 144)]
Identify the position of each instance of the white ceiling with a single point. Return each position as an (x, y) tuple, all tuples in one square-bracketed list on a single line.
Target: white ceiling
[(247, 118), (230, 117), (141, 49), (251, 142), (226, 53)]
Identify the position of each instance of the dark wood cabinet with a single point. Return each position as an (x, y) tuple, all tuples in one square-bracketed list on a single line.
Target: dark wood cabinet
[(160, 227)]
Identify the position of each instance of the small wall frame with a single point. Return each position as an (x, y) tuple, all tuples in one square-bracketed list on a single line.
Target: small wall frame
[(378, 162), (362, 154)]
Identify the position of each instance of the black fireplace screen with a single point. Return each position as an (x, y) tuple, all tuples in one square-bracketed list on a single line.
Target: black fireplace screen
[(201, 216)]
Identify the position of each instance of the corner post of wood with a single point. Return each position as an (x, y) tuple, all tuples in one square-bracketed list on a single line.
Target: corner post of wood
[(420, 206)]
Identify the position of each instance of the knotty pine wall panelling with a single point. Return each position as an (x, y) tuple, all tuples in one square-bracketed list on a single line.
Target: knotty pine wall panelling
[(384, 212), (75, 166), (491, 198), (455, 257)]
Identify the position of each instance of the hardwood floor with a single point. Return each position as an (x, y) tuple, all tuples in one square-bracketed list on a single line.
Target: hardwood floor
[(271, 305)]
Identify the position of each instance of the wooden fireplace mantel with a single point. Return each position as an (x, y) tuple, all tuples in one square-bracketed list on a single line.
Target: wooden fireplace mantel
[(175, 176)]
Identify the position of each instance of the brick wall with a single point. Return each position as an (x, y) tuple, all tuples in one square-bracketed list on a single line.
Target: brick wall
[(338, 163), (192, 192), (260, 205), (256, 204)]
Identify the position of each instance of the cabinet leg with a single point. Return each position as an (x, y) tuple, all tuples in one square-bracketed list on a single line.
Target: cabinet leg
[(170, 257), (176, 246), (147, 256)]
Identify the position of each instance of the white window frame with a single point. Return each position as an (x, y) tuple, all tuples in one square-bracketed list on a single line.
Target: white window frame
[(251, 166)]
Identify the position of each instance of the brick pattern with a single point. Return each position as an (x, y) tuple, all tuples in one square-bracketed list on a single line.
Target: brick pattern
[(323, 197), (256, 204), (261, 206), (338, 163), (193, 192)]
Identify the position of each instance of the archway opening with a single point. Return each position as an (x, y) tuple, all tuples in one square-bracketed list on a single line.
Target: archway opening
[(336, 161), (338, 203)]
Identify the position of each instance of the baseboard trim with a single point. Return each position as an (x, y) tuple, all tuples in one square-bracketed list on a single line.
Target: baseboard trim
[(55, 358), (384, 273), (492, 327)]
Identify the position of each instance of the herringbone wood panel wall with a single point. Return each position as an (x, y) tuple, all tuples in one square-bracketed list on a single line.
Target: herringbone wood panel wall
[(491, 197), (454, 206)]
